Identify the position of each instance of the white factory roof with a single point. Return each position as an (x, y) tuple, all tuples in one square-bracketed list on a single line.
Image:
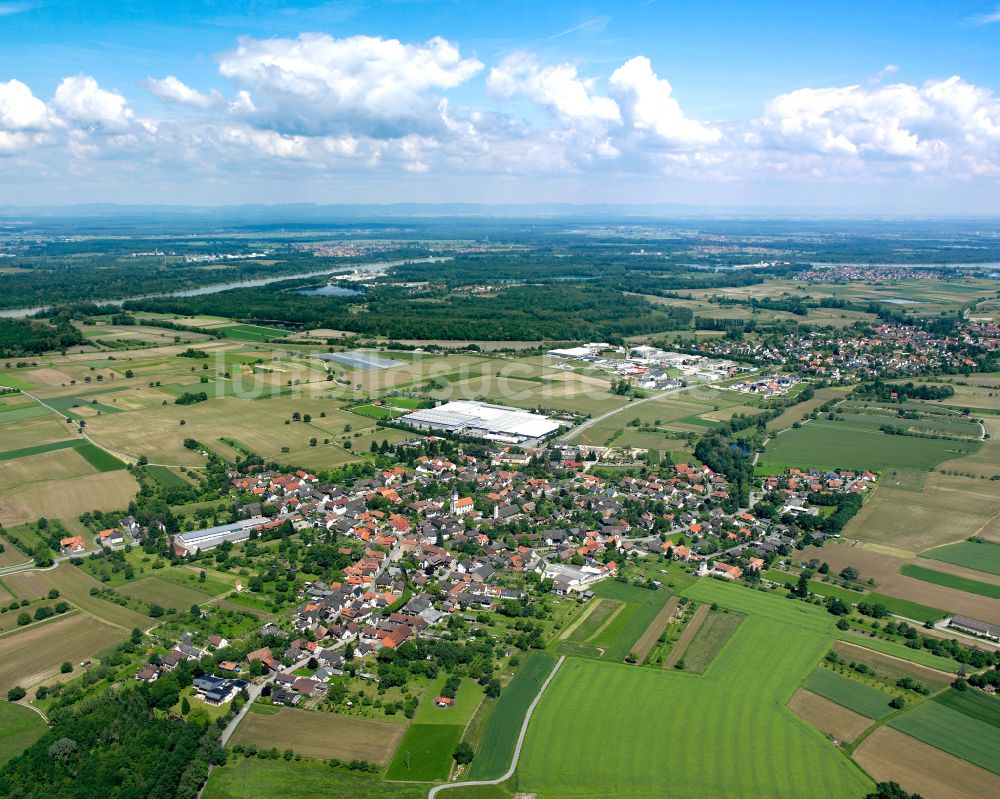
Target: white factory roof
[(494, 420), (571, 352)]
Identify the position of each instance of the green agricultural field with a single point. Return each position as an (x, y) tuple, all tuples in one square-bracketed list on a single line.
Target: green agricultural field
[(378, 412), (20, 727), (165, 594), (911, 610), (95, 456), (10, 381), (719, 626), (794, 613), (651, 732), (167, 477), (974, 704), (424, 754), (38, 449), (950, 580), (953, 732), (817, 586), (21, 412), (854, 695), (252, 332), (983, 557), (599, 614), (841, 445), (98, 458), (496, 747), (470, 693), (305, 779), (215, 583), (641, 607)]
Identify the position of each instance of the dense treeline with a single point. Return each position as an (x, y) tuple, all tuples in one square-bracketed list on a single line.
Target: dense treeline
[(20, 337), (734, 460), (884, 392), (114, 745), (47, 280), (520, 312)]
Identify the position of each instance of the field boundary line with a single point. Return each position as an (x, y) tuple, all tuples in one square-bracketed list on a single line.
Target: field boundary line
[(517, 747), (614, 615), (947, 674), (677, 651), (587, 612)]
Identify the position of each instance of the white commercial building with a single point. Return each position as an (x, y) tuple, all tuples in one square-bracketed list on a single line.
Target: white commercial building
[(493, 422)]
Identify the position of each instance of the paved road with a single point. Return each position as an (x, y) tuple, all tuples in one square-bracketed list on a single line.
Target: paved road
[(517, 748), (591, 422), (30, 564), (255, 689)]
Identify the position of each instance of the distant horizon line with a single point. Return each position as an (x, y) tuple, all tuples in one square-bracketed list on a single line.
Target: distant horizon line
[(479, 209)]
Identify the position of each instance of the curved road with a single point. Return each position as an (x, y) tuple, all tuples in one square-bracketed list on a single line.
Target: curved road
[(517, 748)]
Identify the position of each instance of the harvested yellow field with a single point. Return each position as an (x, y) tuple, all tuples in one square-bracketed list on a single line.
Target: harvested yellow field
[(31, 432), (68, 498), (31, 656), (828, 717), (321, 735), (37, 470)]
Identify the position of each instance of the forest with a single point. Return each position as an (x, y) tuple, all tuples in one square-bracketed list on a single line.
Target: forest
[(21, 337), (521, 312), (115, 744)]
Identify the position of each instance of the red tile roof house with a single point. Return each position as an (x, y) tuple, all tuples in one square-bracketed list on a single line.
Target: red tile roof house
[(72, 545), (264, 656)]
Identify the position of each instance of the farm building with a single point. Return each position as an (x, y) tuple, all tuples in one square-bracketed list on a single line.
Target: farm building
[(195, 540), (493, 422), (975, 627)]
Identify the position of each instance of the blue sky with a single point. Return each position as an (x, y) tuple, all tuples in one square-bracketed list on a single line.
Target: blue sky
[(872, 106)]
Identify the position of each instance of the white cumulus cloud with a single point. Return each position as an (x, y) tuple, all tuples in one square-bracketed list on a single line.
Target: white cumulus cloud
[(20, 109), (81, 100), (557, 87), (646, 101), (942, 123), (316, 84), (174, 90)]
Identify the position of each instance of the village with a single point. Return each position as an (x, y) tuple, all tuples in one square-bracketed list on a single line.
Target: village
[(438, 540)]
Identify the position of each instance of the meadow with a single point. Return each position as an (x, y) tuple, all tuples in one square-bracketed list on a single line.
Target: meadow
[(20, 727), (984, 557), (634, 715), (845, 445), (320, 735), (641, 607), (74, 584), (953, 732), (719, 626), (973, 704), (424, 753), (598, 614), (305, 779), (907, 608), (950, 580), (165, 594), (496, 745), (853, 695)]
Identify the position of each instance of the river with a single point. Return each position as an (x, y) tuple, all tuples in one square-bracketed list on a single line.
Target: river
[(214, 288)]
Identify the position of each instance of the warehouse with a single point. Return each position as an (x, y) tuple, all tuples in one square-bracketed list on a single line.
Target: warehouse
[(493, 422)]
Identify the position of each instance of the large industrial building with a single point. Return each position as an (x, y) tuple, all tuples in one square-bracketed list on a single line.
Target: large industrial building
[(493, 422)]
